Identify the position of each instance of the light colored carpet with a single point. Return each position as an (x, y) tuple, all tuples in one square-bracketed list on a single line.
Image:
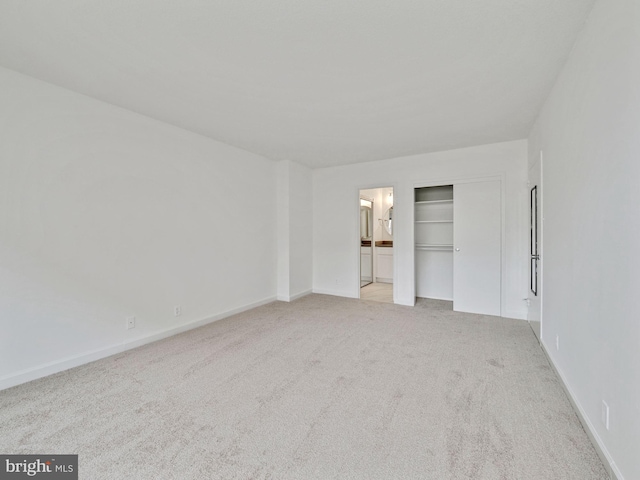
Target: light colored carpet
[(320, 388)]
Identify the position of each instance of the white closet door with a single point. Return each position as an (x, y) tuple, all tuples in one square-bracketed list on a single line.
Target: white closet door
[(477, 235)]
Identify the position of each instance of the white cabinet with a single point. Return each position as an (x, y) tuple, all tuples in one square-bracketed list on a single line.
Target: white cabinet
[(384, 258), (366, 265), (458, 235)]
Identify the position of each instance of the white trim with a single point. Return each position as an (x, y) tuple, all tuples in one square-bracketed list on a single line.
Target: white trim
[(407, 302), (333, 293), (598, 444), (291, 298), (516, 315), (539, 163), (384, 280), (301, 294), (541, 227), (438, 298), (57, 366)]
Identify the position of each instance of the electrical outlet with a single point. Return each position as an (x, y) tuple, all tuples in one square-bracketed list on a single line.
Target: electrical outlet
[(131, 323), (605, 415), (177, 310), (557, 342)]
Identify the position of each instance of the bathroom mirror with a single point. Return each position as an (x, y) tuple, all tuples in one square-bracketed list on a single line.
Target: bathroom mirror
[(387, 221), (366, 217)]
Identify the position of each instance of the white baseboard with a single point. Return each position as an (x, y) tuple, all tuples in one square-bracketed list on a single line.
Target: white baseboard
[(335, 293), (515, 314), (57, 366), (291, 298), (406, 301), (384, 280), (301, 294), (438, 298), (598, 444)]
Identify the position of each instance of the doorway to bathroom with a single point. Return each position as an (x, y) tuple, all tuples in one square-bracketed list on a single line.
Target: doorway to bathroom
[(366, 240), (376, 244)]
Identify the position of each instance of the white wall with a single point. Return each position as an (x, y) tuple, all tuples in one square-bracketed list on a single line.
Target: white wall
[(294, 218), (336, 216), (105, 213), (283, 219), (589, 132), (301, 231)]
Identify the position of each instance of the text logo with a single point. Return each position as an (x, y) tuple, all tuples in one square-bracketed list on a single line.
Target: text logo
[(40, 467)]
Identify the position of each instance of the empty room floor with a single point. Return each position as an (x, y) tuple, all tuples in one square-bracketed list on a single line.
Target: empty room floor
[(319, 388)]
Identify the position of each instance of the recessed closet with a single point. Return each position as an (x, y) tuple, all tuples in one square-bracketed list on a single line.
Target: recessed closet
[(458, 243)]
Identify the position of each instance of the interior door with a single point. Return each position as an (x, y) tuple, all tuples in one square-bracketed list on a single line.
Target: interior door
[(535, 247), (477, 243)]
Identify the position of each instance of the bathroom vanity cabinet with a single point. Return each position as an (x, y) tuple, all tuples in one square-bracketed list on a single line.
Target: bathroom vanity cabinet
[(384, 259), (366, 265)]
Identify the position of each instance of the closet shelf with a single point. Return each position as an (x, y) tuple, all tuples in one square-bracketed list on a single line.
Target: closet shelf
[(433, 246), (425, 202), (434, 221)]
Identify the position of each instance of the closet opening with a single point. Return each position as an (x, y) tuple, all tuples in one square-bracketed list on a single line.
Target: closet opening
[(434, 242), (458, 244)]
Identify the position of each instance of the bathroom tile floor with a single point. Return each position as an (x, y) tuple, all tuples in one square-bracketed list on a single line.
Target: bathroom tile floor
[(377, 292)]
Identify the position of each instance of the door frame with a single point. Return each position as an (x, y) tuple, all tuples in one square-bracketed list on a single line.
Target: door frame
[(364, 197), (539, 163), (458, 180), (356, 234)]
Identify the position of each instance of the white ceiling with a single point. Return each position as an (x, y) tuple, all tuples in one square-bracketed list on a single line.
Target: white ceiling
[(321, 82)]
